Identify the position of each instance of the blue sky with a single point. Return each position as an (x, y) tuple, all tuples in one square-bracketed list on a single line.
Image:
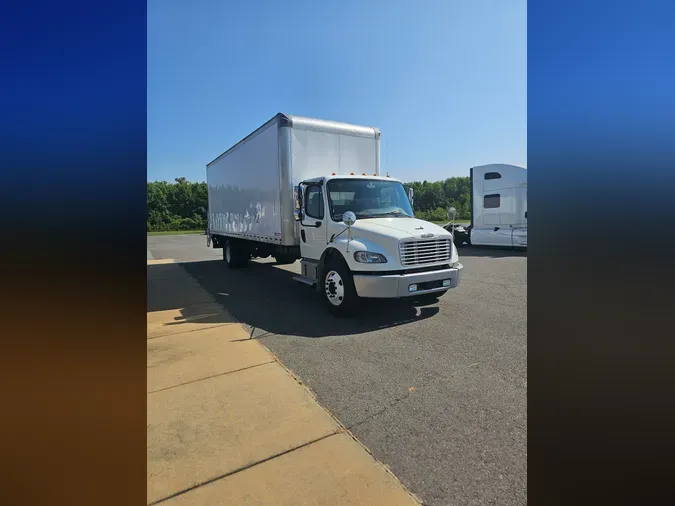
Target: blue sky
[(445, 81)]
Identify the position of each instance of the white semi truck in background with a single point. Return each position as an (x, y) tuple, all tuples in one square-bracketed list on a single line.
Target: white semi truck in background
[(498, 208), (311, 190)]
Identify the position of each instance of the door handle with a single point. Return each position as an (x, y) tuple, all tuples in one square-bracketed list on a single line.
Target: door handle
[(496, 228), (302, 234), (317, 224)]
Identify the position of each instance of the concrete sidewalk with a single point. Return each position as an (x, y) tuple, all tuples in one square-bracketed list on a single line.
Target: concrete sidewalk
[(229, 425)]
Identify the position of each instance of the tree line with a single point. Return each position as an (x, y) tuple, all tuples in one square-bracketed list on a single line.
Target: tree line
[(432, 199), (182, 205)]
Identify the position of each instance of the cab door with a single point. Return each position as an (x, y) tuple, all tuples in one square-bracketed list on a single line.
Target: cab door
[(313, 229)]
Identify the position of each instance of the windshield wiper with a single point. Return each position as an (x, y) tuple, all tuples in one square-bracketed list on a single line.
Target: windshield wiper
[(365, 216), (395, 213)]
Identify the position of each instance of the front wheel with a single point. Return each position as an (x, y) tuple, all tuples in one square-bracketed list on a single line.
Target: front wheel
[(338, 290)]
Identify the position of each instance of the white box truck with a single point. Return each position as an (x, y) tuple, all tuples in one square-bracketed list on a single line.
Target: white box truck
[(498, 207), (311, 190)]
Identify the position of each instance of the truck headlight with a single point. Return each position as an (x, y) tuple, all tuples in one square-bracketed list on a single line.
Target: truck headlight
[(368, 257)]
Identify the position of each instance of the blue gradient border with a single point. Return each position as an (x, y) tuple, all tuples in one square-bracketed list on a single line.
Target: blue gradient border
[(601, 159), (73, 165), (602, 173)]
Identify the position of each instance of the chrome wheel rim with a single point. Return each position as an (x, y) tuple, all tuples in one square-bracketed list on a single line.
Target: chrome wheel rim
[(334, 288)]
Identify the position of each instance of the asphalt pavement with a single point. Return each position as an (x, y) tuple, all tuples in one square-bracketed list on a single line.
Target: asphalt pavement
[(438, 393)]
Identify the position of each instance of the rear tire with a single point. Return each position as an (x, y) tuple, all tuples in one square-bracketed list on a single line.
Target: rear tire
[(234, 256), (338, 290), (282, 259)]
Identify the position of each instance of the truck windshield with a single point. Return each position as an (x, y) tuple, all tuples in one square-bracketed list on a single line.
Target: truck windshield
[(368, 198)]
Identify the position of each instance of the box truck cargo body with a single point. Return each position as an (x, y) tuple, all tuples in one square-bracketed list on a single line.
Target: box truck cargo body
[(251, 185), (308, 189)]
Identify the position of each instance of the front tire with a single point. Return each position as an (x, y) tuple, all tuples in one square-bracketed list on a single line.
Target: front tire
[(338, 290)]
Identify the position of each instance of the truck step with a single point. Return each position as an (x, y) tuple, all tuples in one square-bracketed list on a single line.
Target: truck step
[(304, 279)]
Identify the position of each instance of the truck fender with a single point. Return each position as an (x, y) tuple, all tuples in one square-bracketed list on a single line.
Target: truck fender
[(329, 253)]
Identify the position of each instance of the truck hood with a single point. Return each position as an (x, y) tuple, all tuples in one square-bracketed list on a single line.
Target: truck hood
[(399, 228)]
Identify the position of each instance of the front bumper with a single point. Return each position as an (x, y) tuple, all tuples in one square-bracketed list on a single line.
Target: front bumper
[(397, 285)]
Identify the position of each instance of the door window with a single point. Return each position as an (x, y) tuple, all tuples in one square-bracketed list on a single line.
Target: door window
[(314, 198)]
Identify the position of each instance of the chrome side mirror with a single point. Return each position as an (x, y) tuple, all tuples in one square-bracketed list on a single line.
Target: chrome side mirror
[(411, 193), (452, 212), (349, 218)]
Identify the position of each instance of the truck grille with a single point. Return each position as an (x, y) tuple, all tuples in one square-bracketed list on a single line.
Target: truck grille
[(425, 251)]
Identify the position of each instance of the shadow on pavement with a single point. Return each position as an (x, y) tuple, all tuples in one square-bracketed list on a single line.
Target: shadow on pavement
[(266, 298), (490, 252)]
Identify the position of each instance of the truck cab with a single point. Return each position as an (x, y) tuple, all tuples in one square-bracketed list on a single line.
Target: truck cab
[(359, 238), (498, 207)]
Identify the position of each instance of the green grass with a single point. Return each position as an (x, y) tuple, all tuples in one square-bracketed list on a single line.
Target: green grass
[(177, 232), (459, 222)]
